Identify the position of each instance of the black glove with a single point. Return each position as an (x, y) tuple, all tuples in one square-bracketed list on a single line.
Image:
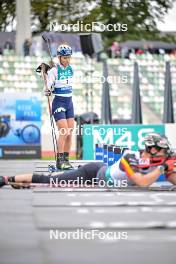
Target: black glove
[(45, 66), (131, 159), (47, 92)]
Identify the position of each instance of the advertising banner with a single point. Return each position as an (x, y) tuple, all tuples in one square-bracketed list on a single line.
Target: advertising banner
[(130, 136), (20, 125)]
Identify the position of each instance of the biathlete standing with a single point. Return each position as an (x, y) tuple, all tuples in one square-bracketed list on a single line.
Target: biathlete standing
[(59, 82)]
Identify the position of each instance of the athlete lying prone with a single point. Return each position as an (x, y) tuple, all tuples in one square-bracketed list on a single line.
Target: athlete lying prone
[(141, 168)]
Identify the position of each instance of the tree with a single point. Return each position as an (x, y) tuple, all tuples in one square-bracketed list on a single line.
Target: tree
[(139, 16), (7, 14)]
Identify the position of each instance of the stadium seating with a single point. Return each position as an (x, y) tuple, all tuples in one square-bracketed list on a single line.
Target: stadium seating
[(17, 74), (151, 74)]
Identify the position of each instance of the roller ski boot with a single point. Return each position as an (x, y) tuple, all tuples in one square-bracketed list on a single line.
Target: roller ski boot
[(62, 162)]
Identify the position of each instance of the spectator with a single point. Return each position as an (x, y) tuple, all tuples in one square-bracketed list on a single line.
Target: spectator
[(173, 53), (26, 47), (125, 52), (115, 49), (139, 51), (8, 45)]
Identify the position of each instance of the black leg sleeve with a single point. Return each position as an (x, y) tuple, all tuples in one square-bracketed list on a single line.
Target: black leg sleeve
[(82, 174)]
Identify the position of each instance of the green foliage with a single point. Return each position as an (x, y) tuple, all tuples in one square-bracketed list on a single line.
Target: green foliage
[(140, 16), (7, 13)]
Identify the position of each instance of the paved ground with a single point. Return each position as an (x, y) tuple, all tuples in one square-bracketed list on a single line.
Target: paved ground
[(44, 225)]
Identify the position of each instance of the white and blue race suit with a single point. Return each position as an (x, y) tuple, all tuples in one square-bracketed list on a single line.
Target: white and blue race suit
[(60, 79)]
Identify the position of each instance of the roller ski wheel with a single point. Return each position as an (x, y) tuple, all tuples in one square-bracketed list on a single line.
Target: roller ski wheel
[(52, 168)]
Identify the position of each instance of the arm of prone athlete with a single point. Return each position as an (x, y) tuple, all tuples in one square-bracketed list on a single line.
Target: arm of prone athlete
[(139, 178), (172, 178)]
